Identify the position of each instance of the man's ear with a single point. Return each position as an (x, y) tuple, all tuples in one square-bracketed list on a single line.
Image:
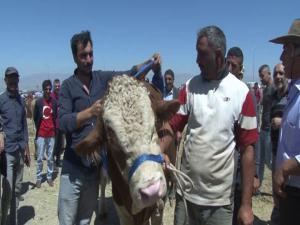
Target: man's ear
[(220, 58)]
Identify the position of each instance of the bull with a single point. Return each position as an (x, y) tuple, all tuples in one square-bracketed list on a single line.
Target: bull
[(127, 127)]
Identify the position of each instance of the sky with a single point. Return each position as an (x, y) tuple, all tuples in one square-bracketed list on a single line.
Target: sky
[(35, 34)]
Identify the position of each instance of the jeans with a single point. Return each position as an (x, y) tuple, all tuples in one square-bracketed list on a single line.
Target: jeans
[(12, 186), (179, 213), (209, 215), (78, 194), (289, 207), (44, 144), (265, 152), (202, 215)]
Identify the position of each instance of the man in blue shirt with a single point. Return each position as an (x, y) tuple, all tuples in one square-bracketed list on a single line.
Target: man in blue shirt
[(13, 114), (79, 104), (287, 175)]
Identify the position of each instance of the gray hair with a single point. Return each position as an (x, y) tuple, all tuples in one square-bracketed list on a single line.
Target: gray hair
[(215, 37)]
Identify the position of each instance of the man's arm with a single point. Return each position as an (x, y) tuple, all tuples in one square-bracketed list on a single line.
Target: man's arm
[(27, 159), (2, 136), (88, 113), (247, 176)]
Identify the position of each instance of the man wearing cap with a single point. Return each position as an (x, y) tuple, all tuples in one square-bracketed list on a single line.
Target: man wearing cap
[(287, 175), (13, 114)]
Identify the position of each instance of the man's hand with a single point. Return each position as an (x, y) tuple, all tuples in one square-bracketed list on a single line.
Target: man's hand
[(96, 108), (27, 158), (1, 142), (276, 123), (156, 68), (245, 215)]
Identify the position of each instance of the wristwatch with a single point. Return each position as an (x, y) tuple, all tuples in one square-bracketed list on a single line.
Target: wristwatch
[(297, 157)]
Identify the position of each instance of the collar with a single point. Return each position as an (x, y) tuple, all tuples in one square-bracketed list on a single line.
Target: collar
[(222, 74), (10, 95), (295, 83), (168, 92)]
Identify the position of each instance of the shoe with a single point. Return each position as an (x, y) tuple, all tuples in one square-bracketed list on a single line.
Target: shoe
[(38, 184), (20, 198), (50, 182)]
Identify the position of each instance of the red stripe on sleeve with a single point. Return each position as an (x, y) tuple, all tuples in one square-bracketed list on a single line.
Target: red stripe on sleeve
[(178, 121)]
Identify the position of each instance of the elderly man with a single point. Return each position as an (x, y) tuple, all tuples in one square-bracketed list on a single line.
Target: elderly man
[(279, 100), (79, 105), (287, 175), (13, 114), (211, 140)]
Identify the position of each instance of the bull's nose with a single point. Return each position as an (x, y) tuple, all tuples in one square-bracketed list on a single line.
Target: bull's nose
[(153, 192)]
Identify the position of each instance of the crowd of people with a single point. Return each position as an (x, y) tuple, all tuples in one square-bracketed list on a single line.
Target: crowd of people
[(232, 132)]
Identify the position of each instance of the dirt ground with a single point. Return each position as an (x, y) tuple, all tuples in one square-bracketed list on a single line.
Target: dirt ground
[(40, 205)]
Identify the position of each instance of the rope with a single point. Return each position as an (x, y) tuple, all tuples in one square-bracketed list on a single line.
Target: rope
[(184, 183)]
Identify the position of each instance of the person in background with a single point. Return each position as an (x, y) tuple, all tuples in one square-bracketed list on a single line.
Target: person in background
[(279, 101), (234, 62), (13, 114), (170, 91), (45, 113), (265, 138), (59, 136)]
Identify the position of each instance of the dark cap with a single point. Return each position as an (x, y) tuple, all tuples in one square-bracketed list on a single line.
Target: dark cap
[(10, 71), (293, 35)]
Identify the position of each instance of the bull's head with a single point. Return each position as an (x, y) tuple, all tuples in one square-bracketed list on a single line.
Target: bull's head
[(126, 127)]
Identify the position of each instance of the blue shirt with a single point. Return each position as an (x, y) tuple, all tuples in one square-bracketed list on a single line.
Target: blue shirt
[(289, 139), (13, 114), (73, 98)]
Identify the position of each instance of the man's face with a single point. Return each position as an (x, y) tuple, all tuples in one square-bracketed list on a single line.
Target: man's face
[(278, 76), (234, 65), (287, 58), (12, 83), (84, 58), (265, 76), (169, 81), (56, 87), (206, 58), (47, 92)]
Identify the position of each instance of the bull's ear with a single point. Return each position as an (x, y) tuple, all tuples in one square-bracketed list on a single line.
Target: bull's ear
[(166, 109), (93, 141)]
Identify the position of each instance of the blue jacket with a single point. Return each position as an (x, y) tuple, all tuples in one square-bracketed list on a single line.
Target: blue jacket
[(74, 99), (13, 114)]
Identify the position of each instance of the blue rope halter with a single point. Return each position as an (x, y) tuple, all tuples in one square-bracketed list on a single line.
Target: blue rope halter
[(144, 68), (142, 158)]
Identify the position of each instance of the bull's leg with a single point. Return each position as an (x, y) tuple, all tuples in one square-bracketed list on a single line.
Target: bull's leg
[(124, 216), (102, 210), (158, 214)]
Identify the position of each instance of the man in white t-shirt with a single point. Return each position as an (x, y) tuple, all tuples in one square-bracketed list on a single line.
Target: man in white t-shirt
[(219, 112)]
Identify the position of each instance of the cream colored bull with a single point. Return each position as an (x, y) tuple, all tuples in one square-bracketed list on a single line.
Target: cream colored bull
[(127, 127)]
